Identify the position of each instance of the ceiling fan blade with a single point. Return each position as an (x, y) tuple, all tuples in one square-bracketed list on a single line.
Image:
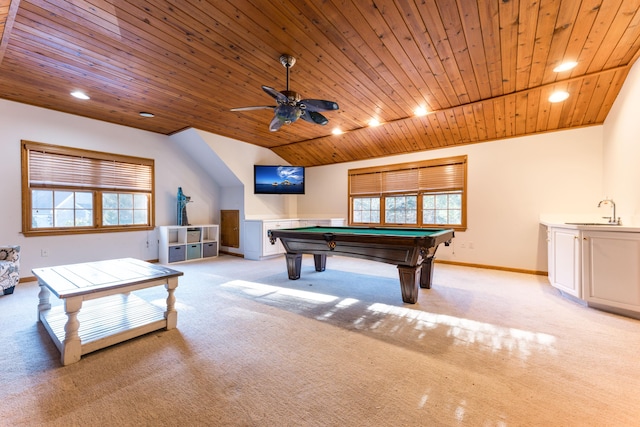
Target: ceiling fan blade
[(313, 117), (280, 97), (290, 108), (319, 105), (260, 107), (275, 124)]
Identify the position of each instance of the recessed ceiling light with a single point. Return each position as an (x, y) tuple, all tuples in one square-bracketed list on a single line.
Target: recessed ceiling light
[(79, 95), (558, 96), (145, 114), (565, 66), (420, 111), (374, 122), (336, 131)]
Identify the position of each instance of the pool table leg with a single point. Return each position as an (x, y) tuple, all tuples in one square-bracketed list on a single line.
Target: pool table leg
[(320, 261), (427, 273), (409, 279), (294, 262)]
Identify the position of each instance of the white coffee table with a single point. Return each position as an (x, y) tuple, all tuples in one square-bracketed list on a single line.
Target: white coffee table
[(99, 309)]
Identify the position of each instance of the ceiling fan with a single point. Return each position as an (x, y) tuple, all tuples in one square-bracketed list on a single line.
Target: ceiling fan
[(290, 105)]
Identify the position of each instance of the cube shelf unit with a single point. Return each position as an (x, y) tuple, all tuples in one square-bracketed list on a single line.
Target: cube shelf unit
[(188, 243)]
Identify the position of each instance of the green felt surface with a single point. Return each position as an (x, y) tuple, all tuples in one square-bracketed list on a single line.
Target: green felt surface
[(413, 232)]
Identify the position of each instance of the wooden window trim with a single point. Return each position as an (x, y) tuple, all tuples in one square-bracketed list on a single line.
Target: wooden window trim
[(128, 182), (420, 177)]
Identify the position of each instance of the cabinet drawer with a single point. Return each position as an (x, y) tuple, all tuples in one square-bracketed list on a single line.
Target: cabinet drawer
[(177, 253), (210, 249), (194, 251), (193, 235)]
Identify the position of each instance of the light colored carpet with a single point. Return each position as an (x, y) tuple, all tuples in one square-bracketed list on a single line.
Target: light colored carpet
[(338, 348)]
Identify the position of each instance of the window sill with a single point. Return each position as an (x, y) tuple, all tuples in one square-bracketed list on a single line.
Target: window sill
[(67, 231)]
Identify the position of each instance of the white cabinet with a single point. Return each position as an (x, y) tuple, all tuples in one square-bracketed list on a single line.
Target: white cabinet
[(186, 243), (256, 241), (327, 222), (257, 245), (269, 249), (611, 270), (599, 266), (564, 260)]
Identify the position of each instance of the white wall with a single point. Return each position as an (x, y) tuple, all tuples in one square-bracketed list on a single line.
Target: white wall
[(240, 157), (173, 168), (510, 183), (230, 162), (622, 150)]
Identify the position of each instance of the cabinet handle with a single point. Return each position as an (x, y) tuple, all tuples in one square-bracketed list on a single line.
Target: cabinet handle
[(585, 239)]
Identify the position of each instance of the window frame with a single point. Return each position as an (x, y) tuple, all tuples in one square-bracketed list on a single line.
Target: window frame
[(407, 179), (142, 181)]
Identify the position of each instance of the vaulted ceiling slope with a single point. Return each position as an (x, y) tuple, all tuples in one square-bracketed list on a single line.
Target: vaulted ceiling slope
[(482, 69)]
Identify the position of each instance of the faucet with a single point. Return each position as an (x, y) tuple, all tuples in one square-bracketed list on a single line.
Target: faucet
[(612, 218)]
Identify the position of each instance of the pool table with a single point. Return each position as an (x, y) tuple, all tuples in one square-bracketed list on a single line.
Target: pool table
[(411, 249)]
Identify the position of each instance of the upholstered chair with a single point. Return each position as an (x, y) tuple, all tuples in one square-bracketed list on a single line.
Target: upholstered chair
[(9, 268)]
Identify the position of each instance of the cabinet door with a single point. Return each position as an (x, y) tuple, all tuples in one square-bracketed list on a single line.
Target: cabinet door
[(564, 260), (253, 241), (230, 228), (611, 269), (268, 249)]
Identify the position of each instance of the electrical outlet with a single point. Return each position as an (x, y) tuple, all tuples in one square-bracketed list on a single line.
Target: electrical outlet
[(44, 252), (470, 245), (463, 245)]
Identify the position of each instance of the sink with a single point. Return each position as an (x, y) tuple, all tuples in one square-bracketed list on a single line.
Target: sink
[(590, 223)]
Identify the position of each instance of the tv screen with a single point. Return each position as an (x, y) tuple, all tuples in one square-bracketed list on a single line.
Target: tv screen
[(278, 179)]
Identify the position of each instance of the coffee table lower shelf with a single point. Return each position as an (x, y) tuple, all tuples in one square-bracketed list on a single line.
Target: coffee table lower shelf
[(106, 321)]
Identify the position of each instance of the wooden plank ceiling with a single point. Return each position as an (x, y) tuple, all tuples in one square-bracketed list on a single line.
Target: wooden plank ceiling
[(483, 69)]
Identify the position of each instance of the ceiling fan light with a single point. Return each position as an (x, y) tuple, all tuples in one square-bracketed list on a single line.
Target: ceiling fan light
[(558, 96), (146, 114), (290, 105), (80, 95), (565, 66)]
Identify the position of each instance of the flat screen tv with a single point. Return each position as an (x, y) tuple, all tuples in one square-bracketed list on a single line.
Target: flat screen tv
[(278, 179)]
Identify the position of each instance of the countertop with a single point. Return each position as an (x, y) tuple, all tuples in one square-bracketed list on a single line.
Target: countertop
[(581, 222)]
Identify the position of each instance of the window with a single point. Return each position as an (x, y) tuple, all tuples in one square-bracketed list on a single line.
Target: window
[(442, 208), (69, 190), (124, 209), (50, 209), (401, 209), (366, 209), (431, 193)]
